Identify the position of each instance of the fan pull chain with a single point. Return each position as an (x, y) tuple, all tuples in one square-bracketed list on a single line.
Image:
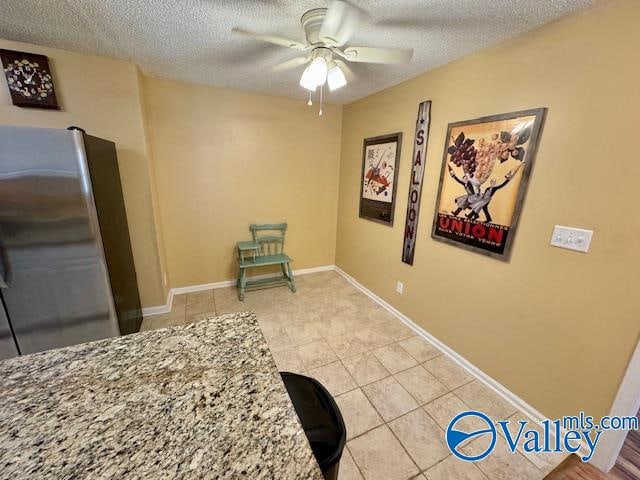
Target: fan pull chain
[(309, 102), (320, 112)]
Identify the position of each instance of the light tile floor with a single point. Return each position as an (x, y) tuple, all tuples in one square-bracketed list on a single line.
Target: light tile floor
[(396, 392)]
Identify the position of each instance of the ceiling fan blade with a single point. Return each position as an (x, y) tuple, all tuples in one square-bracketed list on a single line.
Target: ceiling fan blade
[(346, 69), (276, 40), (434, 22), (340, 23), (377, 55), (289, 64)]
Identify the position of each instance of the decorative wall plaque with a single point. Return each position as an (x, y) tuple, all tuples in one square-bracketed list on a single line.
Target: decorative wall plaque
[(415, 182)]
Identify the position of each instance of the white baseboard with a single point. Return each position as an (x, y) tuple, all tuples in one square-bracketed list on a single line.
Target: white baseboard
[(476, 372), (493, 384), (157, 310), (160, 309), (487, 380), (626, 403)]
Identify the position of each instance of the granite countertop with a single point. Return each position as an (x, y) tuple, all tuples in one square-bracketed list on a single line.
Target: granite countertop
[(203, 400)]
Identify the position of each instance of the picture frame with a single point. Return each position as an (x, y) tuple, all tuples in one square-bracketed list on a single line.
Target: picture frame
[(29, 79), (481, 157), (379, 178)]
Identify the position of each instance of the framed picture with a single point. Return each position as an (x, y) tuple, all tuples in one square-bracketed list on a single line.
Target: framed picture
[(380, 161), (29, 79), (483, 180)]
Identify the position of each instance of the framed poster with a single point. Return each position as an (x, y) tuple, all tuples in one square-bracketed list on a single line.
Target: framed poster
[(483, 180), (29, 79), (379, 179)]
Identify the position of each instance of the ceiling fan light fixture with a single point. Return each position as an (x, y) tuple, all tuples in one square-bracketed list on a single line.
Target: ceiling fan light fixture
[(327, 34), (308, 81), (318, 70), (336, 78)]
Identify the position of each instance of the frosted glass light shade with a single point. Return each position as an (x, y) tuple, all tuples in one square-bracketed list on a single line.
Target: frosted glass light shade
[(318, 70), (307, 81), (336, 78)]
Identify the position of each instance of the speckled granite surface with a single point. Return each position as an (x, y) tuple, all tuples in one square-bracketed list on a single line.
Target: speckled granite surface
[(203, 400)]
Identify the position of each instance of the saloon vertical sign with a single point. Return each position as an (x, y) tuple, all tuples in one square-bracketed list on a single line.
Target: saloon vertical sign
[(415, 185)]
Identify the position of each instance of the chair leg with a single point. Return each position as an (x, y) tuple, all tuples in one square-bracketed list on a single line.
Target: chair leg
[(243, 283), (292, 282)]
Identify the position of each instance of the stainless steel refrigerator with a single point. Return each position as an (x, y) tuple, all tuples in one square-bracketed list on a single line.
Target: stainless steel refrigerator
[(66, 267)]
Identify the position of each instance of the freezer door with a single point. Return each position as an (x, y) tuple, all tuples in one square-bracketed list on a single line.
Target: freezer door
[(8, 347), (57, 290)]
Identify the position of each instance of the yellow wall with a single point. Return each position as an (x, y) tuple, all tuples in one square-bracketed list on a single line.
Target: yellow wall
[(224, 159), (554, 326), (102, 96), (198, 164)]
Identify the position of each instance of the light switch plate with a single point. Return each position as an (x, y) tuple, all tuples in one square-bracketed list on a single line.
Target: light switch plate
[(571, 238)]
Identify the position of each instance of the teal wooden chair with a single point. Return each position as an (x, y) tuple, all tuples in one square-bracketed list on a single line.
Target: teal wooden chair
[(266, 248)]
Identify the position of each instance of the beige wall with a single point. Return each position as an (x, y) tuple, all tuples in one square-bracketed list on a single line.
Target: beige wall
[(224, 159), (102, 96), (199, 164), (554, 326)]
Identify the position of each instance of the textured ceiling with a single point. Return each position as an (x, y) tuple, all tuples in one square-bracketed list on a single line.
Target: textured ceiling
[(191, 40)]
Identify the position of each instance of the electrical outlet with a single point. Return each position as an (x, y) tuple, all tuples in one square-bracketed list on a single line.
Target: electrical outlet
[(571, 238), (165, 280), (399, 287)]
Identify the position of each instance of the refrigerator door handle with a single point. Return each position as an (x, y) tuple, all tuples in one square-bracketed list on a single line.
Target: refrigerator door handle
[(5, 274)]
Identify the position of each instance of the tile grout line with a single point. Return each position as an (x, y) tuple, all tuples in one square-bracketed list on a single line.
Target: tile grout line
[(354, 462), (452, 392), (392, 432), (386, 423), (371, 351), (348, 373), (420, 406), (358, 385), (484, 379)]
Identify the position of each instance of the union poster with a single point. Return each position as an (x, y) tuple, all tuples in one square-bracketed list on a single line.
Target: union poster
[(485, 171)]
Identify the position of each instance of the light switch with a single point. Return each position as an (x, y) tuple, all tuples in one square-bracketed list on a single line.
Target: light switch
[(571, 238)]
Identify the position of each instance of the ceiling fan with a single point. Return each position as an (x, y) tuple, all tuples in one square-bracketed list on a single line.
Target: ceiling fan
[(327, 30)]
